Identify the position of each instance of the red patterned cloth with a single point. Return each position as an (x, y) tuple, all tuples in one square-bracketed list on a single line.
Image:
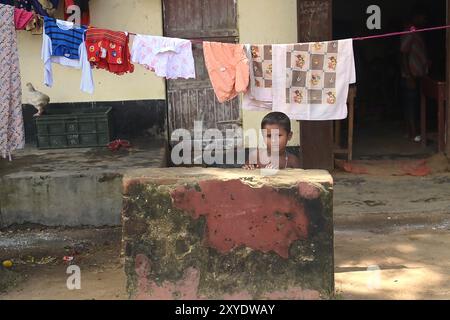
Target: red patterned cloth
[(22, 18), (109, 50)]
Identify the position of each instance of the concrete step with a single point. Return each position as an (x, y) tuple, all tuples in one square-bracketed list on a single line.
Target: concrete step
[(73, 187)]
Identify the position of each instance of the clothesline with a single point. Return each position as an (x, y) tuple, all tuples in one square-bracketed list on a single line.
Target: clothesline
[(194, 41), (379, 36), (393, 34)]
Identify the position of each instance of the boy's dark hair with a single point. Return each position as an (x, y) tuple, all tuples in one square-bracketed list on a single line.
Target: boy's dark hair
[(278, 118)]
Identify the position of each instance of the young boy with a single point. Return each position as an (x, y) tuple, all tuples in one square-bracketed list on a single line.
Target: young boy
[(274, 123)]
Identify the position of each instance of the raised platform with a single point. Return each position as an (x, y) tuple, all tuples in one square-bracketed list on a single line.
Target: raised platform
[(73, 187), (228, 234)]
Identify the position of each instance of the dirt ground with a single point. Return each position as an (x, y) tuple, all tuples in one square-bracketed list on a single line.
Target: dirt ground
[(414, 263), (39, 270)]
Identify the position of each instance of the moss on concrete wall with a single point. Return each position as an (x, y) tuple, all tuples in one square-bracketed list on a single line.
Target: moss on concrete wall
[(174, 242)]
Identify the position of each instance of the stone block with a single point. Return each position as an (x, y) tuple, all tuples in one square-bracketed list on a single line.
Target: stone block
[(194, 233)]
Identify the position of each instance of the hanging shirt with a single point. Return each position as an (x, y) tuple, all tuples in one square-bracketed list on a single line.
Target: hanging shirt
[(12, 132), (171, 58), (109, 50), (22, 18), (41, 7), (36, 23), (63, 43), (228, 69)]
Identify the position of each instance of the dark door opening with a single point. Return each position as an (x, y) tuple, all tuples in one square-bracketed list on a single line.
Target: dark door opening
[(381, 129)]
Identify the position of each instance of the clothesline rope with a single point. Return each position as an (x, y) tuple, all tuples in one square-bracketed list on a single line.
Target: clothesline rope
[(393, 34), (194, 41), (379, 36)]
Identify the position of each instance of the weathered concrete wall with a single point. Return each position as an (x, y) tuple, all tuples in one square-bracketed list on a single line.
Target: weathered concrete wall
[(61, 199), (71, 187), (228, 234)]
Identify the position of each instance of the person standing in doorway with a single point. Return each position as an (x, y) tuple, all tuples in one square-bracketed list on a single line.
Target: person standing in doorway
[(414, 67)]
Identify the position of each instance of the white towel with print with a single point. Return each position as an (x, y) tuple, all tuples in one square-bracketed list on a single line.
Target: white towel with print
[(259, 96), (311, 80)]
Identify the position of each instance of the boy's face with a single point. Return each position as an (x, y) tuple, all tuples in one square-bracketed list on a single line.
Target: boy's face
[(270, 137)]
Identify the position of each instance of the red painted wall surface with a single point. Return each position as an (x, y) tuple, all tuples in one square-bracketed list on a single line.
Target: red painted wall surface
[(263, 219)]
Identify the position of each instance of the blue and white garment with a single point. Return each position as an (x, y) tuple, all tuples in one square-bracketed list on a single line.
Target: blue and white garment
[(64, 44)]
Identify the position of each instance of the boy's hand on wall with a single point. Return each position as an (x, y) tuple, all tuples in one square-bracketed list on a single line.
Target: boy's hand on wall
[(250, 167)]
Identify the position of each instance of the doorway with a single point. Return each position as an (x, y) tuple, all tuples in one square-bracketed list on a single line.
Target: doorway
[(380, 125)]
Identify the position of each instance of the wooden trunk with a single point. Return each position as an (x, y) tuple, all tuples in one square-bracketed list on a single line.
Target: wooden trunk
[(315, 24)]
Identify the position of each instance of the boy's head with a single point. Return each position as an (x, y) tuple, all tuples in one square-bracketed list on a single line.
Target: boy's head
[(277, 123)]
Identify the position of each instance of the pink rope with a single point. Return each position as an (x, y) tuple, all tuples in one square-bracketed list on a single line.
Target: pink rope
[(392, 34)]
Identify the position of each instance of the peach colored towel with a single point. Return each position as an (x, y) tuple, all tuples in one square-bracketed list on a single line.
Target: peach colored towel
[(228, 69)]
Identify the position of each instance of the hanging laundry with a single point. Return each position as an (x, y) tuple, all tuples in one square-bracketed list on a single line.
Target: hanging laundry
[(64, 43), (306, 81), (36, 25), (109, 50), (311, 80), (228, 69), (22, 18), (171, 58), (12, 132), (84, 10), (249, 103), (41, 7), (259, 96)]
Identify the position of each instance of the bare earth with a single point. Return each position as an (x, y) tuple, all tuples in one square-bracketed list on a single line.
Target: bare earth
[(414, 263)]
